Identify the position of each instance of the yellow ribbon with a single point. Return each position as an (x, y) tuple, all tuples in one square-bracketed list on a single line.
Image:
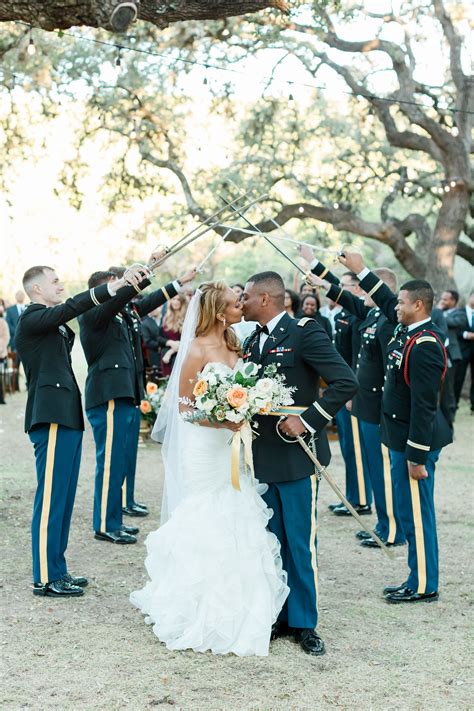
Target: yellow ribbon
[(244, 437)]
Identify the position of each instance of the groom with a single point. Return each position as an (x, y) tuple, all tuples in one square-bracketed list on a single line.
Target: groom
[(305, 354)]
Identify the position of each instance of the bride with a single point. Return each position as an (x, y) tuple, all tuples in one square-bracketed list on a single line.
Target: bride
[(216, 579)]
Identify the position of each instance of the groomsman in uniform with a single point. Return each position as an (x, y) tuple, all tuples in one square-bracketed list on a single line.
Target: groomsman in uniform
[(132, 313), (114, 388), (53, 419), (304, 353), (376, 331), (413, 425), (347, 342)]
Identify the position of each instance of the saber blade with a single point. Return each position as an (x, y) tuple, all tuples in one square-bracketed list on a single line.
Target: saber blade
[(260, 232), (322, 471)]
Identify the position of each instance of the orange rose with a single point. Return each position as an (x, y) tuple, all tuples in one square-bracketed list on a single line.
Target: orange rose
[(145, 407), (200, 388), (151, 388), (236, 396)]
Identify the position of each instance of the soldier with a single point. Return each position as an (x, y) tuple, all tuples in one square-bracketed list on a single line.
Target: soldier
[(413, 425), (54, 419), (376, 331), (111, 340), (347, 342), (304, 353)]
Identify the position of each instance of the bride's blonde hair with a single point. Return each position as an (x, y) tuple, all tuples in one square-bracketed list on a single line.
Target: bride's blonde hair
[(213, 303)]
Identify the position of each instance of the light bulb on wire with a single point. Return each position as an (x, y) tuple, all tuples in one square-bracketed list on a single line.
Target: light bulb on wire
[(31, 50)]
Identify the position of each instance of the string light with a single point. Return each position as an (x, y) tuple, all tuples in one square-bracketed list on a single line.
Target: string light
[(301, 209), (31, 50), (118, 59), (237, 72)]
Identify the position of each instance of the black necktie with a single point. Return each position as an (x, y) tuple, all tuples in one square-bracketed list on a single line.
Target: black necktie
[(261, 329)]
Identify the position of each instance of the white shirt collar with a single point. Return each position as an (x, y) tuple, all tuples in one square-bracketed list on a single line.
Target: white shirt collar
[(418, 323), (272, 324)]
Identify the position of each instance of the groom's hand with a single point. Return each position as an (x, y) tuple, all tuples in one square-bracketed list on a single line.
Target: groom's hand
[(292, 426)]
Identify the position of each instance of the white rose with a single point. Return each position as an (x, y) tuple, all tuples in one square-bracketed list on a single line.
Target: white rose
[(208, 405), (264, 387), (234, 416)]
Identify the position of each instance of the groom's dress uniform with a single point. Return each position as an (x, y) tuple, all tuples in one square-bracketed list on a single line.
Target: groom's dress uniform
[(114, 389), (304, 353), (54, 422)]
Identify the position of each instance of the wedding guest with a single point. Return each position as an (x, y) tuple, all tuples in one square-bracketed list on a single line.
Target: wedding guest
[(238, 289), (292, 302), (4, 340), (152, 339), (310, 307), (462, 320), (53, 418), (111, 339), (170, 332), (12, 315)]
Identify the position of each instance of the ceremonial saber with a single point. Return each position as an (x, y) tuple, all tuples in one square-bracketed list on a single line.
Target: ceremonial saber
[(259, 231), (189, 238), (288, 239), (224, 236), (322, 472)]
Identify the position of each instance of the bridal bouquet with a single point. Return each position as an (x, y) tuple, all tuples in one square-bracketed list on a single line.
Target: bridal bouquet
[(221, 394)]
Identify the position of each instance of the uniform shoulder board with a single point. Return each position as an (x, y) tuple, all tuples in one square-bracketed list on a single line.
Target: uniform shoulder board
[(303, 321), (426, 339)]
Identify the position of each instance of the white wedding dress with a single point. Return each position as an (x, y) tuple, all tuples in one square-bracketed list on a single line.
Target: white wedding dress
[(216, 578)]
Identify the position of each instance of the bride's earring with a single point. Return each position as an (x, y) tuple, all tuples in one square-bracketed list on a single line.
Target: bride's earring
[(224, 322)]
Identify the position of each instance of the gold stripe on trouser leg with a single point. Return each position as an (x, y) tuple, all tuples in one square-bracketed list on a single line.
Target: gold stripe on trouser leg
[(312, 540), (419, 535), (124, 493), (47, 489), (387, 481), (109, 435), (358, 458)]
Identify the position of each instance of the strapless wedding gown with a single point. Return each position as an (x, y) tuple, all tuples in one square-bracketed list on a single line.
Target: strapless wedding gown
[(216, 578)]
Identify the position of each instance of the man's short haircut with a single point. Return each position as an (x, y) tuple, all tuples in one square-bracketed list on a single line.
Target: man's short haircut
[(117, 271), (388, 276), (420, 290), (454, 294), (33, 273), (271, 282), (98, 278), (353, 276)]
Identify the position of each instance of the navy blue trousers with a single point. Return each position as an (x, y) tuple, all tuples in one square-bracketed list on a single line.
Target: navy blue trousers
[(58, 458), (294, 522), (415, 500), (376, 461), (128, 488), (111, 422), (358, 487)]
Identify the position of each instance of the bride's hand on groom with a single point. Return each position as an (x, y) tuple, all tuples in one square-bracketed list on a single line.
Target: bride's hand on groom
[(227, 425)]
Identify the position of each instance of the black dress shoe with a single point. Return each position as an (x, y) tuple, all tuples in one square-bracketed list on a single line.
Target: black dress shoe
[(372, 543), (140, 506), (310, 642), (132, 530), (407, 595), (362, 535), (344, 511), (73, 580), (57, 588), (135, 510), (331, 507), (279, 629), (115, 537), (393, 588)]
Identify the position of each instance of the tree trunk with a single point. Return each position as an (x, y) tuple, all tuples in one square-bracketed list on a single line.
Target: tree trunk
[(62, 14), (446, 233)]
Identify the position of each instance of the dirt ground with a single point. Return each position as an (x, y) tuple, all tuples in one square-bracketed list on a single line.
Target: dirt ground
[(97, 653)]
